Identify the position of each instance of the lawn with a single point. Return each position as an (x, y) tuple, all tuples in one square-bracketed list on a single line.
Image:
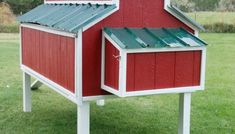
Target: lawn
[(213, 110)]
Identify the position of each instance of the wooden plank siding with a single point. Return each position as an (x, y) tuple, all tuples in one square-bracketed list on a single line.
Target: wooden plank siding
[(132, 13), (146, 71), (111, 66), (50, 55)]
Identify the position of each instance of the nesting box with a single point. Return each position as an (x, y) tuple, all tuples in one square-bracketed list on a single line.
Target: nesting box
[(146, 61)]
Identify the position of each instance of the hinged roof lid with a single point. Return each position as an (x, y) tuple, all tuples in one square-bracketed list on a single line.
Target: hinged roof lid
[(66, 17), (133, 38)]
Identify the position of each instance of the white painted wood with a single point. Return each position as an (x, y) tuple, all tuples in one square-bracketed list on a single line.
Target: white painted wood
[(166, 3), (36, 84), (122, 73), (20, 37), (184, 113), (203, 69), (102, 59), (149, 50), (78, 67), (112, 90), (59, 89), (196, 33), (100, 103), (108, 2), (111, 41), (152, 91), (83, 118), (98, 97), (26, 93), (48, 30)]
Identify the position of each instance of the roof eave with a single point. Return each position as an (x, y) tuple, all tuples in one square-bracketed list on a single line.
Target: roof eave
[(186, 20)]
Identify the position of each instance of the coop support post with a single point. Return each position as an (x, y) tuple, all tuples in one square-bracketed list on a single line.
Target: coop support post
[(36, 84), (26, 93), (184, 113), (83, 118)]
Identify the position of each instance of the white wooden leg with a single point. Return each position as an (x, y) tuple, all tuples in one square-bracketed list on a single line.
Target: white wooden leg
[(184, 113), (100, 103), (26, 93), (83, 118), (36, 84)]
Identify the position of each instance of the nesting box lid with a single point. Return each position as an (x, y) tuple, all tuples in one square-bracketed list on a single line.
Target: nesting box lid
[(136, 38)]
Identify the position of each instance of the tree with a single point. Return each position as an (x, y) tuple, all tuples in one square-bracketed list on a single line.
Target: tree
[(184, 5), (226, 5), (22, 6)]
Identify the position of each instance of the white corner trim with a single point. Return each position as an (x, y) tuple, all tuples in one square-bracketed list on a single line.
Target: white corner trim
[(168, 3), (78, 67), (111, 41), (59, 89), (103, 59), (21, 40), (203, 68), (48, 30), (122, 73)]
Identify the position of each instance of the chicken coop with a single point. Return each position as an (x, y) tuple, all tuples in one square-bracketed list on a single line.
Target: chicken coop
[(92, 50)]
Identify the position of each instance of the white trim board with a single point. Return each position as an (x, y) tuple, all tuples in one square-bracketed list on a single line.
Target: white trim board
[(78, 67), (153, 91), (59, 89), (108, 2), (48, 30)]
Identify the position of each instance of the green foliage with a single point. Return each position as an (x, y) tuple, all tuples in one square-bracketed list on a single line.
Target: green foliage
[(205, 5), (220, 28), (22, 6), (14, 28)]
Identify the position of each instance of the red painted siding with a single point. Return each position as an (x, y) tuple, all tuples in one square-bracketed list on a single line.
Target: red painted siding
[(147, 71), (111, 66), (50, 55), (132, 13)]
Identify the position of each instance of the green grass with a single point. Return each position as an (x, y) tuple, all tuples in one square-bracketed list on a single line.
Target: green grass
[(213, 110), (214, 17)]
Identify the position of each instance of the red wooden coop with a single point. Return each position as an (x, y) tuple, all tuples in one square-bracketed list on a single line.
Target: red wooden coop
[(91, 50)]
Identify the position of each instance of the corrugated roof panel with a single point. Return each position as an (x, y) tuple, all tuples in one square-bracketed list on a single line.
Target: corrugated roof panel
[(136, 38), (66, 17)]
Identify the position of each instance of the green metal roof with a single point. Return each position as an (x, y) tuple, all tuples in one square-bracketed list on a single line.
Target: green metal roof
[(185, 17), (134, 38), (66, 17)]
